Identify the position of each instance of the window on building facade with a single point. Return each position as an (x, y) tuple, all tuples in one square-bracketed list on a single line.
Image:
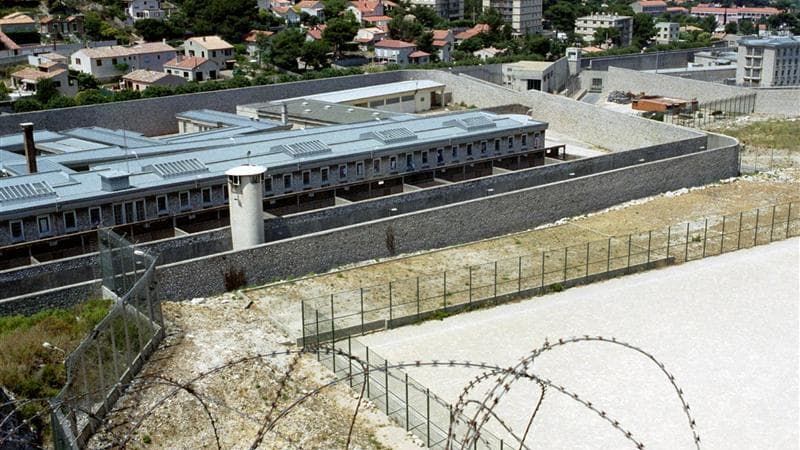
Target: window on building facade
[(95, 216), (424, 157), (376, 166), (206, 195), (524, 140), (323, 174), (393, 163), (469, 149), (511, 142), (454, 152), (287, 181), (440, 156), (139, 208), (16, 230), (359, 169), (483, 147), (70, 220), (43, 223), (184, 200), (342, 171), (161, 204)]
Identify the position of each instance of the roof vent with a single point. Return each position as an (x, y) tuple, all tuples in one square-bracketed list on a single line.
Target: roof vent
[(26, 191), (178, 168), (391, 135), (472, 123), (115, 180), (302, 149)]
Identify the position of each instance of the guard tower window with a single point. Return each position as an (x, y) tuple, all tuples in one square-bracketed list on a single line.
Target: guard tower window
[(235, 180)]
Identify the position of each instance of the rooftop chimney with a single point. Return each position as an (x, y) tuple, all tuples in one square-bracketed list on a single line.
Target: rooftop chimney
[(30, 146), (284, 114)]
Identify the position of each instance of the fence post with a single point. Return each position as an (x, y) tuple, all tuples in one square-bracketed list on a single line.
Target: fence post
[(418, 298), (316, 314), (772, 225), (333, 326), (608, 256), (390, 305), (630, 239), (587, 260), (519, 272), (686, 248), (566, 255), (495, 281), (349, 361), (542, 269), (788, 220), (722, 241), (669, 239), (386, 384), (303, 319), (427, 417), (470, 285), (739, 239), (444, 290), (705, 234), (407, 420), (649, 239), (366, 374), (361, 295), (755, 233)]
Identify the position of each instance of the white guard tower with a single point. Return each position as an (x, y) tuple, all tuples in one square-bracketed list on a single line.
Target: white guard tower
[(245, 191)]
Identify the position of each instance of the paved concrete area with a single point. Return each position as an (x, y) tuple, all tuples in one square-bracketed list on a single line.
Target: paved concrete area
[(726, 327)]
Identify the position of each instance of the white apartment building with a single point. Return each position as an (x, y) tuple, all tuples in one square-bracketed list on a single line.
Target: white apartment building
[(447, 9), (667, 32), (145, 9), (586, 26), (106, 62), (525, 16), (771, 61)]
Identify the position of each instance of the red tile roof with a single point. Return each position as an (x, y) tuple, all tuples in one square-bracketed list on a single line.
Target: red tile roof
[(316, 32), (652, 3), (7, 43), (474, 31), (394, 43), (377, 19), (36, 75), (439, 43), (440, 35), (254, 34), (185, 62), (418, 54)]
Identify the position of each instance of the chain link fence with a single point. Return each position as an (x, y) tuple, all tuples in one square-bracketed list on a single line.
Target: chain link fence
[(116, 349), (753, 160), (713, 111)]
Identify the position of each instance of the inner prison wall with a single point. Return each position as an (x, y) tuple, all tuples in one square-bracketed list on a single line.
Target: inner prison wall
[(448, 225), (68, 271)]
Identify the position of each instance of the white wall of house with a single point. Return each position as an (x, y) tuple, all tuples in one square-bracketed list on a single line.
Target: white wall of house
[(204, 72), (103, 68), (395, 55), (196, 48)]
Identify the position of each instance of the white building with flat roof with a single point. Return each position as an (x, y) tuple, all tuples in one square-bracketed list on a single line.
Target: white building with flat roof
[(404, 96), (108, 62), (771, 61), (524, 16), (667, 32), (587, 25), (446, 9)]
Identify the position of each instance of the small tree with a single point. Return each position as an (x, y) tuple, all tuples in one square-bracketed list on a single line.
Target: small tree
[(339, 31), (27, 104), (61, 102), (45, 90), (604, 35), (315, 53)]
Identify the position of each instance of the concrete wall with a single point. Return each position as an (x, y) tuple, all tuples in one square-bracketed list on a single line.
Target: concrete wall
[(476, 219), (658, 84), (62, 297), (780, 101), (647, 61)]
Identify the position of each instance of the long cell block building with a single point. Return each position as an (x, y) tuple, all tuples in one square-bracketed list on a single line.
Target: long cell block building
[(94, 177)]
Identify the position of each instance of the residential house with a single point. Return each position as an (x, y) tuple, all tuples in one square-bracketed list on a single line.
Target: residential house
[(443, 41), (376, 21), (145, 9), (212, 48), (472, 32), (394, 51), (677, 10), (419, 57), (667, 32), (41, 58), (286, 13), (27, 79), (724, 16), (192, 68), (18, 23), (139, 80), (652, 7), (488, 52), (64, 26), (251, 39), (105, 63), (315, 33), (312, 8), (7, 46), (587, 25), (366, 8), (369, 36)]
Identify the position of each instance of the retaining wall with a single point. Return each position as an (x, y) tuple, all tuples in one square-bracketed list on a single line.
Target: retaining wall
[(648, 61)]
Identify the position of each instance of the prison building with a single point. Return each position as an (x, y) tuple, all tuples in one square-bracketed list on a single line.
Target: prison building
[(411, 96), (200, 120), (170, 185), (305, 113)]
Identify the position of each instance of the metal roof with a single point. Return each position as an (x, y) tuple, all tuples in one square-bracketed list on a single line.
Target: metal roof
[(378, 90), (227, 119), (318, 111), (23, 191), (166, 166), (772, 41)]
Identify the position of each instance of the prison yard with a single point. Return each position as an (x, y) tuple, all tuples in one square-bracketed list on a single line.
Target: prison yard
[(211, 342)]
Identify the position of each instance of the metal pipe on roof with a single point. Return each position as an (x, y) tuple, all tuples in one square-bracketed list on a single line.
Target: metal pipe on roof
[(30, 146)]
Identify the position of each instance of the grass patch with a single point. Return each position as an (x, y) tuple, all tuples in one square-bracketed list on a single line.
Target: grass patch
[(32, 371), (778, 134)]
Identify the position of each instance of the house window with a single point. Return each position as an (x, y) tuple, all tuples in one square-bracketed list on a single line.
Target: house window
[(393, 163), (469, 149), (70, 221), (95, 216), (184, 200), (78, 61), (424, 157), (323, 173), (113, 61), (440, 156), (342, 171), (17, 232), (99, 62), (287, 181), (161, 204), (44, 225), (306, 178), (359, 169), (511, 142), (206, 195), (376, 166)]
